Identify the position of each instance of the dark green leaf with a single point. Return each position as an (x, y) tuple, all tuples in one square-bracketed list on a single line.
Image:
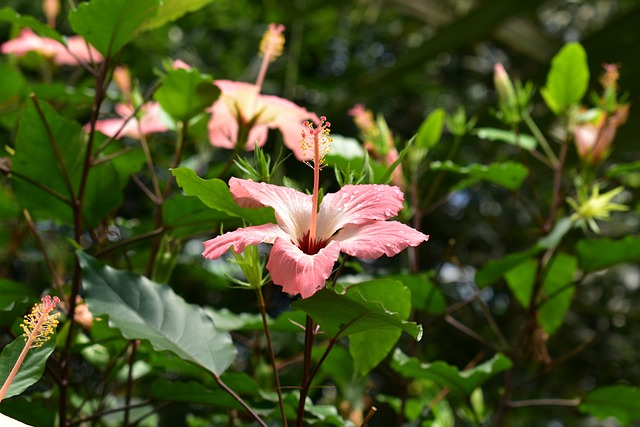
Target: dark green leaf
[(193, 393), (7, 14), (449, 376), (355, 311), (215, 194), (15, 298), (32, 367), (369, 348), (596, 254), (430, 130), (13, 91), (496, 268), (620, 401), (110, 24), (141, 309), (186, 93), (508, 174), (171, 10), (521, 140), (568, 79)]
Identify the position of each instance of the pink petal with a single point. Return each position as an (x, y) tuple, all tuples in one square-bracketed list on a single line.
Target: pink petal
[(223, 129), (292, 208), (299, 273), (377, 238), (357, 204), (77, 50), (241, 238), (151, 121), (110, 127), (28, 41), (289, 119)]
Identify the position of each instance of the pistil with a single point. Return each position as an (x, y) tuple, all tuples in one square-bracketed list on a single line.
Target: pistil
[(321, 145), (271, 47)]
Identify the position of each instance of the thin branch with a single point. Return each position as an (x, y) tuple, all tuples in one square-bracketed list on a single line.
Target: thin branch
[(470, 332), (239, 400), (129, 241), (129, 388), (370, 415), (97, 415), (44, 188), (544, 402)]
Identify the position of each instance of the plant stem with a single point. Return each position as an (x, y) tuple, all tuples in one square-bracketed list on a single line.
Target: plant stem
[(272, 356), (129, 389), (540, 137), (239, 400), (305, 384), (545, 402)]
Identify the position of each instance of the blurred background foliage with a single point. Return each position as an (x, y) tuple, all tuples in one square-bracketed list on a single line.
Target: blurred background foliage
[(403, 59)]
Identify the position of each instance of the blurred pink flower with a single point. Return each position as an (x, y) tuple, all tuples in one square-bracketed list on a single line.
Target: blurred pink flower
[(242, 103), (150, 121), (353, 221), (76, 51), (594, 139)]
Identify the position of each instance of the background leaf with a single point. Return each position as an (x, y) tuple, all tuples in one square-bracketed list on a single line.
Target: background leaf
[(620, 401), (568, 78), (110, 24), (557, 291), (596, 254), (141, 309), (508, 174), (522, 140), (430, 130), (7, 14), (186, 93), (449, 376)]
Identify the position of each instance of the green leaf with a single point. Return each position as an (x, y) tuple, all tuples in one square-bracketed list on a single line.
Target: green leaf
[(521, 279), (186, 93), (557, 291), (36, 160), (425, 295), (193, 393), (449, 376), (369, 348), (13, 91), (186, 215), (596, 254), (32, 367), (171, 10), (522, 140), (354, 311), (7, 14), (14, 298), (496, 268), (142, 309), (568, 79), (430, 130), (110, 24), (215, 194), (620, 401), (508, 174)]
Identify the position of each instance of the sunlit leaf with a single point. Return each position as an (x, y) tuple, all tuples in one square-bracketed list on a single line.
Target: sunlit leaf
[(521, 279), (508, 174), (142, 309), (185, 93), (568, 79), (496, 268), (171, 10), (215, 194), (520, 140), (430, 130), (7, 14), (425, 295), (108, 25), (355, 311), (369, 348), (557, 291), (620, 401), (32, 368)]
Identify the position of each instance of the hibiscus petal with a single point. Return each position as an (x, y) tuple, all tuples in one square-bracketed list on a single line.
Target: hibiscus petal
[(289, 119), (292, 208), (357, 204), (299, 273), (377, 238), (241, 238)]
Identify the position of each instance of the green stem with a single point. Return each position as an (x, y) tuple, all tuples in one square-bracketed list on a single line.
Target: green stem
[(540, 138)]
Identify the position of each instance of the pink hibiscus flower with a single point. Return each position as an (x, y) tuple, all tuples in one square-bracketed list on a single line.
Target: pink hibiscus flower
[(150, 121), (307, 239), (242, 103), (76, 51)]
